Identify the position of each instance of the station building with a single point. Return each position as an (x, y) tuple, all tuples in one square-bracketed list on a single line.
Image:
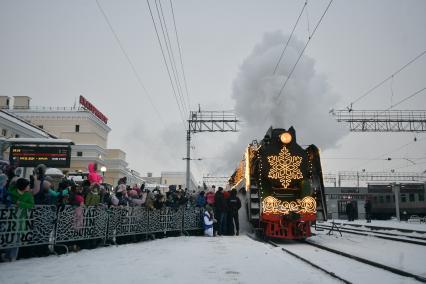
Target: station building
[(171, 178), (411, 197), (85, 125)]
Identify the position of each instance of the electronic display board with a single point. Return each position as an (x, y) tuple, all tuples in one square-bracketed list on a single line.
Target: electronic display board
[(31, 156)]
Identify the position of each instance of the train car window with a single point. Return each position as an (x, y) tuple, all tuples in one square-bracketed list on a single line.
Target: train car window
[(393, 198), (403, 198), (381, 199), (411, 197), (421, 197), (375, 199), (388, 199)]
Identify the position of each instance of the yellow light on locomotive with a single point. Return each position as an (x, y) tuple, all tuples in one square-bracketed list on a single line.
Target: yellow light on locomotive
[(286, 137)]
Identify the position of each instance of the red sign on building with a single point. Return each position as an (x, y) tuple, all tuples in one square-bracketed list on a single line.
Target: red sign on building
[(88, 105)]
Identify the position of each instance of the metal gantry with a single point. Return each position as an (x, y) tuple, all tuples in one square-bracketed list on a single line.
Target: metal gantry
[(215, 180), (330, 178), (382, 120), (380, 176), (207, 121)]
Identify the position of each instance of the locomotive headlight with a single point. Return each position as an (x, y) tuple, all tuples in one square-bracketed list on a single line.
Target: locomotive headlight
[(285, 137)]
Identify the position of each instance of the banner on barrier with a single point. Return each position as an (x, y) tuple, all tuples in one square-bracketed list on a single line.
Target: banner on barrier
[(192, 219), (28, 227), (81, 223), (25, 227), (125, 221)]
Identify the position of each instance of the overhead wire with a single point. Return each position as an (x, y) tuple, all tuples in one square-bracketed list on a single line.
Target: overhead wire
[(307, 21), (303, 50), (171, 55), (126, 55), (173, 83), (391, 151), (180, 55), (408, 166), (289, 38), (165, 63), (406, 98), (386, 79)]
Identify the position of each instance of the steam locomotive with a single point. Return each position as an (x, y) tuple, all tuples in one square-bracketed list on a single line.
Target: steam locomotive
[(283, 184)]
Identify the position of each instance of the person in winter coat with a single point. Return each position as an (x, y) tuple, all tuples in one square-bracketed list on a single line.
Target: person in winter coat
[(4, 195), (42, 185), (208, 219), (122, 180), (349, 211), (93, 176), (93, 198), (159, 201), (134, 198), (149, 201), (123, 199), (104, 196), (201, 200), (220, 211), (76, 197), (210, 197), (367, 207), (233, 205), (22, 198)]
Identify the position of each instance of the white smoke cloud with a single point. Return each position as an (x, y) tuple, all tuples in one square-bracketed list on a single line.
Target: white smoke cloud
[(303, 104)]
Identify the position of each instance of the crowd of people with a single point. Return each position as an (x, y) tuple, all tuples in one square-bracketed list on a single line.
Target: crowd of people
[(221, 214), (91, 192), (40, 190)]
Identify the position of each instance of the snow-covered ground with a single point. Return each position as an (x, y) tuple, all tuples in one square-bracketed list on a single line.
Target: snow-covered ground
[(171, 260), (346, 268), (225, 260), (403, 256)]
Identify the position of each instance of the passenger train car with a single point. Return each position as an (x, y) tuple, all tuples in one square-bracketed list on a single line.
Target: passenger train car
[(284, 185)]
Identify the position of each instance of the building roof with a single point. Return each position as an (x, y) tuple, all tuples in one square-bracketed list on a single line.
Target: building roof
[(19, 121)]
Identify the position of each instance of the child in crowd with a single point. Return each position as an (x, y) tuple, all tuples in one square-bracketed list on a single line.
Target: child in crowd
[(208, 221)]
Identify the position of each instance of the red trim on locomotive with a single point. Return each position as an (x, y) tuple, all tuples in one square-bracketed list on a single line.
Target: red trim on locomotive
[(278, 226)]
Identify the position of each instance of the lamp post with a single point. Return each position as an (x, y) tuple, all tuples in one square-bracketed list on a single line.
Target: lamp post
[(103, 170)]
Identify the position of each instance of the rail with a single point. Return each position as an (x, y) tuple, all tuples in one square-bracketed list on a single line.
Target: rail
[(49, 225)]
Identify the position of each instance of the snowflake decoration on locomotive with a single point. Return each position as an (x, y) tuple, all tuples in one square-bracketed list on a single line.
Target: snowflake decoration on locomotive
[(285, 167)]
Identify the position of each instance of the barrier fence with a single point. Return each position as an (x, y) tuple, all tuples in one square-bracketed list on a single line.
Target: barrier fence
[(49, 225)]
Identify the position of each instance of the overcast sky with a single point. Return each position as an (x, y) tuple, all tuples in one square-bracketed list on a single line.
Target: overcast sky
[(54, 51)]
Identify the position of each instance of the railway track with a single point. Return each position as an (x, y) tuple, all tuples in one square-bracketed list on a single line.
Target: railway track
[(369, 262), (382, 235), (381, 228), (332, 274), (346, 272)]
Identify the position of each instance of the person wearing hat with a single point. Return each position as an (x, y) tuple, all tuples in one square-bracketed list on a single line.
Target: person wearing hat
[(134, 198), (21, 195), (208, 221), (93, 176), (220, 211), (22, 198), (233, 205), (93, 198)]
